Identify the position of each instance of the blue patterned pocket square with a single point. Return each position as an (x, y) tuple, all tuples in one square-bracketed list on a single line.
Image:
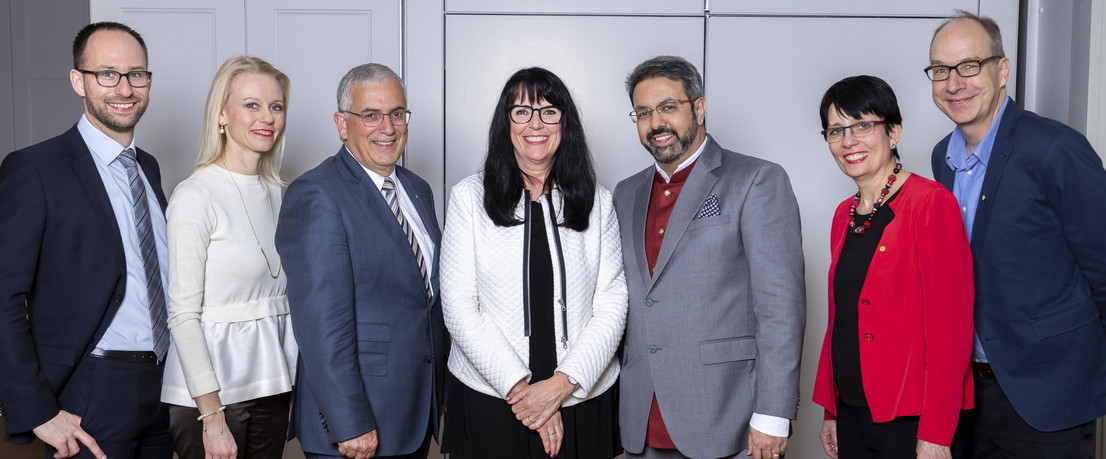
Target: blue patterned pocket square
[(709, 208)]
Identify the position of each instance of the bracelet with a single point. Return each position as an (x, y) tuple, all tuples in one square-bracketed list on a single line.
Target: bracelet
[(213, 413)]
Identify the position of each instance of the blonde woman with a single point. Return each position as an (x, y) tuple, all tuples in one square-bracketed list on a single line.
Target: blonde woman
[(229, 375)]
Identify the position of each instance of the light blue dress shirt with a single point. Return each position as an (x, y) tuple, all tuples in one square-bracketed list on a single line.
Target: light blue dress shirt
[(971, 168), (130, 329)]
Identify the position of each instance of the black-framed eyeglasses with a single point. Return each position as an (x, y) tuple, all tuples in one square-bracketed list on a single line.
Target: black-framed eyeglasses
[(665, 108), (522, 114), (373, 119), (859, 129), (111, 78), (965, 69)]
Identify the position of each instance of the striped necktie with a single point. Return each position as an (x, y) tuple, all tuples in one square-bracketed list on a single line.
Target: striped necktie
[(389, 190), (154, 293)]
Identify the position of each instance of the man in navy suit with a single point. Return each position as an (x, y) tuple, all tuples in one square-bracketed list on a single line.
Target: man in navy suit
[(82, 298), (1032, 193), (359, 240)]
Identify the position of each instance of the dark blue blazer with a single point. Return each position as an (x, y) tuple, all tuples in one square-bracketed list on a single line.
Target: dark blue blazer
[(1039, 249), (372, 346), (62, 272)]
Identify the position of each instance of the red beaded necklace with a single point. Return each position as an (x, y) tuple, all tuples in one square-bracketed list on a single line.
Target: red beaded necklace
[(859, 229)]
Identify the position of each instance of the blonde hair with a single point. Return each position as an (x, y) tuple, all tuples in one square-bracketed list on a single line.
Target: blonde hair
[(212, 143)]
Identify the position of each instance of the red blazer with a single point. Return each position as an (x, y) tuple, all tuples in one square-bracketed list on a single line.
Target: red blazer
[(915, 314)]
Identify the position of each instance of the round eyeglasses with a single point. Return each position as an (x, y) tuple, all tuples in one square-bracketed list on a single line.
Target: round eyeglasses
[(965, 69), (111, 78), (859, 129), (372, 119), (522, 114)]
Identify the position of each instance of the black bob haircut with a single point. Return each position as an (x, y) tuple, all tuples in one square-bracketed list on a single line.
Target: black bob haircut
[(861, 95)]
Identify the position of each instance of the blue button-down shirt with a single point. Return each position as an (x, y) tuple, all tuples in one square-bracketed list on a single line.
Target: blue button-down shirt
[(971, 168), (130, 329)]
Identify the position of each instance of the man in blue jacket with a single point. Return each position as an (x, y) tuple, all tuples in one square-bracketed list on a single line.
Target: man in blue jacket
[(1032, 193)]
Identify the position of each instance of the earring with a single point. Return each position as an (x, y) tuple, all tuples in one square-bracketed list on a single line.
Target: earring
[(222, 131), (893, 146)]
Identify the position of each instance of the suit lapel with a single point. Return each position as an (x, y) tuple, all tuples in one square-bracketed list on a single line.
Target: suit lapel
[(640, 213), (94, 188), (695, 190), (1001, 150)]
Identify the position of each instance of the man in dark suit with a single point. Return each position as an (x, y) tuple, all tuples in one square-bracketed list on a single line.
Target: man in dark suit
[(359, 240), (1033, 197), (714, 265), (82, 298)]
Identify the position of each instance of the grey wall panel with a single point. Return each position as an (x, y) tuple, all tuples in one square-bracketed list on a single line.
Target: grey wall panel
[(43, 101), (763, 101), (7, 128), (424, 34), (619, 7), (591, 54), (846, 8)]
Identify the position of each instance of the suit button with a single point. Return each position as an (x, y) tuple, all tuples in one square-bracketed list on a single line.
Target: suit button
[(429, 359), (117, 298), (865, 302), (648, 302), (868, 337), (652, 349)]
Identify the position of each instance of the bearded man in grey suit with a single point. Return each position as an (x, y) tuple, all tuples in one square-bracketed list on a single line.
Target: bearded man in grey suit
[(714, 264)]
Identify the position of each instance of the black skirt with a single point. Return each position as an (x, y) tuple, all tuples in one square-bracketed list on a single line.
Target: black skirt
[(479, 426)]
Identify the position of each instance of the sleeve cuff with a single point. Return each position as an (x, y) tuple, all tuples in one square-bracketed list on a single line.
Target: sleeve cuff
[(771, 425)]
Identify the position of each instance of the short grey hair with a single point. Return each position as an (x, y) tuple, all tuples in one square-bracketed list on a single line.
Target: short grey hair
[(988, 24), (364, 73), (671, 67)]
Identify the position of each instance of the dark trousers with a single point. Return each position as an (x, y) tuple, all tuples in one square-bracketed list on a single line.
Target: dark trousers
[(120, 407), (858, 437), (998, 432), (258, 426), (420, 453)]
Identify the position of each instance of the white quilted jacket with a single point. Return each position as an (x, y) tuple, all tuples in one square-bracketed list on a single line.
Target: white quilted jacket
[(481, 282)]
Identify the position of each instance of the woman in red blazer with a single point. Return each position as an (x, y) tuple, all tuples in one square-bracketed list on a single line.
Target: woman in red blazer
[(894, 370)]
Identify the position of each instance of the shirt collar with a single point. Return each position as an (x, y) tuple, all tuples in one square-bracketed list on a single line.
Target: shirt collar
[(105, 149), (376, 178), (957, 155), (687, 162)]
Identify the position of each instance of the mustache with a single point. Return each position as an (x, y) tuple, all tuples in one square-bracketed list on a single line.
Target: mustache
[(663, 130)]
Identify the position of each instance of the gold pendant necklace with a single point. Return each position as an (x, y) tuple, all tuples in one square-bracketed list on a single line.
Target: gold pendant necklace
[(268, 266)]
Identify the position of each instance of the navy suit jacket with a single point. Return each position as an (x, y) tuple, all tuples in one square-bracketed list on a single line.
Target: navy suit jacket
[(62, 272), (372, 346), (1039, 249)]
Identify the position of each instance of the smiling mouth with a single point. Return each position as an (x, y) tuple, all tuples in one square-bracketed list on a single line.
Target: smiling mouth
[(384, 143), (118, 106), (263, 132), (536, 139), (853, 158)]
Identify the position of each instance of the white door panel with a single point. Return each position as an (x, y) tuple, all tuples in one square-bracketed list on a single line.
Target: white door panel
[(187, 42), (315, 45)]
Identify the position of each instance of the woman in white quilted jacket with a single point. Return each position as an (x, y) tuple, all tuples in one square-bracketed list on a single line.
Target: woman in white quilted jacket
[(533, 289)]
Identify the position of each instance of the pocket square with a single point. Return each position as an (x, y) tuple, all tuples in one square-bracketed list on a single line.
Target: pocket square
[(709, 208)]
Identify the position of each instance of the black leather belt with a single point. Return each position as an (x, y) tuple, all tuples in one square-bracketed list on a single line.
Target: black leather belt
[(983, 370), (144, 357)]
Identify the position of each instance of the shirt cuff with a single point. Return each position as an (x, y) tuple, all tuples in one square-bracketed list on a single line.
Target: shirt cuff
[(771, 425)]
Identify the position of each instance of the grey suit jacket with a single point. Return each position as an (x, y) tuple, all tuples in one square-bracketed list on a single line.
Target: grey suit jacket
[(717, 331)]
